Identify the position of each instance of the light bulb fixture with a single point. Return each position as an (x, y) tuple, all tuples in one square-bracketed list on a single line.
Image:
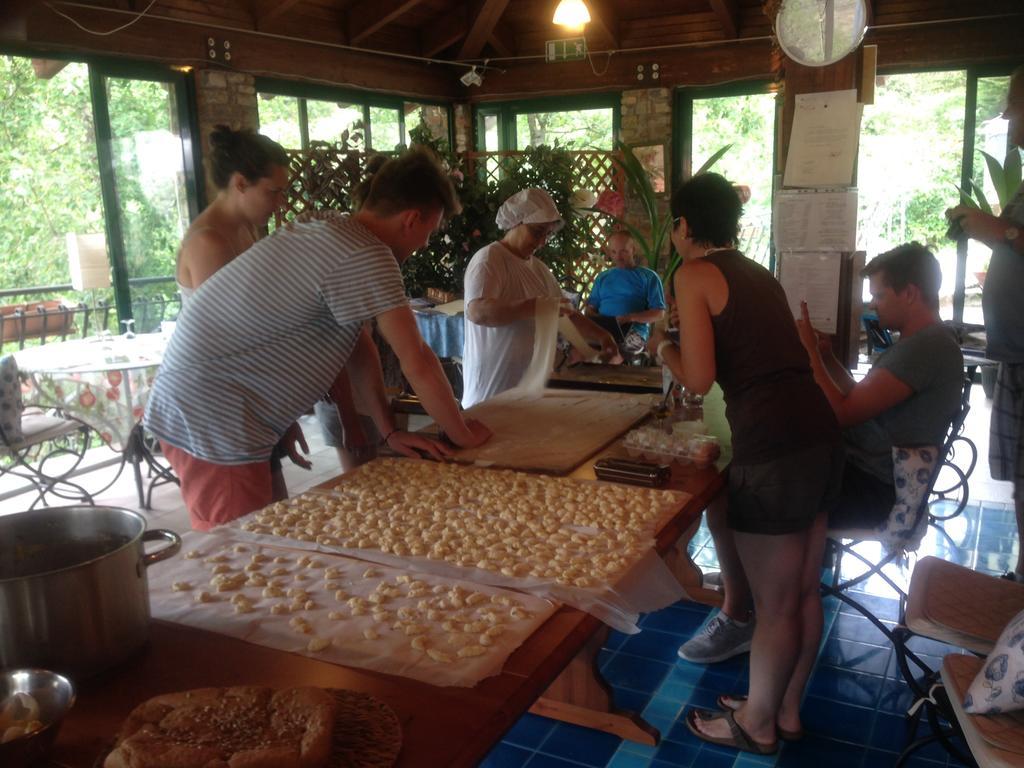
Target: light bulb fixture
[(472, 77), (572, 14)]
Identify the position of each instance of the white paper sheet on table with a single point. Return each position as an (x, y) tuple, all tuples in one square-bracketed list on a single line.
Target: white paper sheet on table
[(390, 653)]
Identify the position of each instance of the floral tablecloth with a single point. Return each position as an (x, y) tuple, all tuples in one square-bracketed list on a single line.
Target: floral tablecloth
[(105, 382)]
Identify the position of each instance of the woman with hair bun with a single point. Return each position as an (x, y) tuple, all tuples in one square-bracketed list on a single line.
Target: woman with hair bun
[(250, 172)]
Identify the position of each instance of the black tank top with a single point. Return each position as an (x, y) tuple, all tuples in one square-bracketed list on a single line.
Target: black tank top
[(773, 405)]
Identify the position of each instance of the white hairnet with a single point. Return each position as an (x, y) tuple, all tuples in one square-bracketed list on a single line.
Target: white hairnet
[(528, 206)]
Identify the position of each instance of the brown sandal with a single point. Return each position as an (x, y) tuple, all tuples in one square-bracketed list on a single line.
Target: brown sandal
[(737, 739), (735, 701)]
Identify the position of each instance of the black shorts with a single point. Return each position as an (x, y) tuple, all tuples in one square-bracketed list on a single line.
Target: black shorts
[(786, 494)]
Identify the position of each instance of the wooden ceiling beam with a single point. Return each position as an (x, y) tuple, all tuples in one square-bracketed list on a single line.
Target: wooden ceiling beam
[(445, 31), (605, 21), (486, 20), (869, 6), (272, 10), (372, 15), (501, 43), (728, 15)]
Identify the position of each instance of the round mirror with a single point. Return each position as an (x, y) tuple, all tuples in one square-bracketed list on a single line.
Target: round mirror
[(820, 32)]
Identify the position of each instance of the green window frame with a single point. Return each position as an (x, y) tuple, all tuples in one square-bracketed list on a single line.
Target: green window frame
[(304, 92), (185, 107)]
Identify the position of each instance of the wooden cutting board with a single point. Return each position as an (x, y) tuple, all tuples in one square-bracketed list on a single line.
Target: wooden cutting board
[(553, 433)]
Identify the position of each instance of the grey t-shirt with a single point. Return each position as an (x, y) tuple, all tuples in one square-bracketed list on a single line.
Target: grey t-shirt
[(1001, 299), (931, 364)]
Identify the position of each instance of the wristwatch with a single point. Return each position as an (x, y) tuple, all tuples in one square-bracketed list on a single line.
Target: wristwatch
[(1011, 234)]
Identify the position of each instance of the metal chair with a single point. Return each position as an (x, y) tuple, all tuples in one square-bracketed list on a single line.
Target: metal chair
[(43, 446)]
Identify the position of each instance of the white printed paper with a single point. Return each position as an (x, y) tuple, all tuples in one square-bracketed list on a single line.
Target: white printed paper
[(823, 144), (815, 220), (814, 278)]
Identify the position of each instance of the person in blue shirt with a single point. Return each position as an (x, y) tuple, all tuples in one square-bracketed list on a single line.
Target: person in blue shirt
[(626, 298)]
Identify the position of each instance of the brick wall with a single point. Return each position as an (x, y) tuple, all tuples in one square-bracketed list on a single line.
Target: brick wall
[(224, 97)]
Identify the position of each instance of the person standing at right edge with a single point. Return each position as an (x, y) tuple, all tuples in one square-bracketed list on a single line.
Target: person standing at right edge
[(1001, 300)]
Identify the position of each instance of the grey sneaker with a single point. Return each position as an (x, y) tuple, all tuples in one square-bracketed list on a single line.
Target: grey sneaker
[(720, 639)]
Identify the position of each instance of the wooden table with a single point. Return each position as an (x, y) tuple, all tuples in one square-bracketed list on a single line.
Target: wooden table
[(552, 672)]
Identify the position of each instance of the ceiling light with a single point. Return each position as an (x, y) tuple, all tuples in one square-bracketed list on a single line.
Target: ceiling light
[(572, 14), (472, 77)]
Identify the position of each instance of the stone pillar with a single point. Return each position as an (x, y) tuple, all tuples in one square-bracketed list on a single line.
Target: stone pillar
[(463, 128), (227, 98), (646, 118)]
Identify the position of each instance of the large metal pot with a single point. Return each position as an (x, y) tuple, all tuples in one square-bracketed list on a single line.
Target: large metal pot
[(73, 591)]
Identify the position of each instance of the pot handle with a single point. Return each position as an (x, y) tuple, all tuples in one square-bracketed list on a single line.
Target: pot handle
[(161, 554)]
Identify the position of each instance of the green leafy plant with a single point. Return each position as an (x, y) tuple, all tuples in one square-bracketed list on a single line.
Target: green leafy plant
[(442, 263), (650, 239), (1005, 177)]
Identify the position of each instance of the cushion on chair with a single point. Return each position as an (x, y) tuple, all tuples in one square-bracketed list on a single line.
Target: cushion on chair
[(999, 685), (995, 741), (39, 427), (912, 470), (955, 605), (11, 404)]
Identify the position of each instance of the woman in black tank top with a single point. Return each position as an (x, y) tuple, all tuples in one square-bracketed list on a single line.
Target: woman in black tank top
[(736, 328)]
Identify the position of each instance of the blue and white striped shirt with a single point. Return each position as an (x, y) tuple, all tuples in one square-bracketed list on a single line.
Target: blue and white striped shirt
[(263, 338)]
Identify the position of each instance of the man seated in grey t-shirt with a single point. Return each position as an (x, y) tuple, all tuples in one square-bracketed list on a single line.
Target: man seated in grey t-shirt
[(912, 392), (909, 398)]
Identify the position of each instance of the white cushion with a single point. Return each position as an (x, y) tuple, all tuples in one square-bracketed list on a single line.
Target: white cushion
[(999, 686), (912, 470)]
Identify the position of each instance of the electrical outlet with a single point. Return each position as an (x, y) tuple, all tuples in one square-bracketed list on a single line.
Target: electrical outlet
[(640, 71)]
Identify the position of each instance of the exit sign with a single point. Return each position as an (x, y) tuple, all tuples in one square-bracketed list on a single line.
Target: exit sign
[(570, 49)]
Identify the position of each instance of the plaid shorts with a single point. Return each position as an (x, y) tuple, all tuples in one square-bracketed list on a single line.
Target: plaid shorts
[(1006, 446)]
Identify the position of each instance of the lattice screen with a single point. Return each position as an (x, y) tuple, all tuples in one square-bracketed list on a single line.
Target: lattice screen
[(323, 177)]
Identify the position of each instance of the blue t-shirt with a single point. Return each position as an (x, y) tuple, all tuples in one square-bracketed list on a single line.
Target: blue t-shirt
[(624, 291)]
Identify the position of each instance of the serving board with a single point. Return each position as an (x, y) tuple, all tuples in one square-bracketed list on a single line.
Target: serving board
[(610, 378), (554, 432)]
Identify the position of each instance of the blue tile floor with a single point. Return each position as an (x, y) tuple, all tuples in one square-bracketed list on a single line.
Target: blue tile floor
[(856, 701)]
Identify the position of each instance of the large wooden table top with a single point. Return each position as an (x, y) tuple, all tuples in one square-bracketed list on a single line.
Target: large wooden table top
[(441, 726)]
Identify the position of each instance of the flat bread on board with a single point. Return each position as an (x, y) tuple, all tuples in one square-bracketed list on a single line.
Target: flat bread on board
[(239, 727)]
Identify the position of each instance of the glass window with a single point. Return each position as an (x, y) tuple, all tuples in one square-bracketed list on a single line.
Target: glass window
[(149, 174), (279, 119), (328, 120), (49, 168), (748, 124), (579, 129), (491, 142), (433, 116), (909, 164), (385, 130)]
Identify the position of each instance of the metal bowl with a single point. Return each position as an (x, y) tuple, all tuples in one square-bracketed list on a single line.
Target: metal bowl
[(55, 696)]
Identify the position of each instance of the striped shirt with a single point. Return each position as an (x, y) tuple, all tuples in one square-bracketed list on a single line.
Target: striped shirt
[(263, 338)]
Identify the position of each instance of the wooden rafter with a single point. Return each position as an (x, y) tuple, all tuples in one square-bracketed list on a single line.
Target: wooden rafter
[(604, 21), (484, 23), (445, 31), (501, 43), (371, 15), (271, 10), (728, 15), (869, 6)]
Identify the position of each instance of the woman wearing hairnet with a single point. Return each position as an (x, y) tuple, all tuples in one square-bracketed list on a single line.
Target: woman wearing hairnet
[(502, 284)]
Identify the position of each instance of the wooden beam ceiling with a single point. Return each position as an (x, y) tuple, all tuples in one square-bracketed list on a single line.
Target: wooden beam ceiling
[(483, 24), (605, 21), (501, 43), (271, 10), (728, 15), (443, 32), (372, 15)]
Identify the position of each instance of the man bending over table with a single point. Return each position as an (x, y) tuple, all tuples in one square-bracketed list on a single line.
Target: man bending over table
[(267, 335), (910, 397)]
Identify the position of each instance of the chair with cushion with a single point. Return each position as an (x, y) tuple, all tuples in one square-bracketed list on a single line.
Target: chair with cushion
[(40, 446), (970, 610)]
